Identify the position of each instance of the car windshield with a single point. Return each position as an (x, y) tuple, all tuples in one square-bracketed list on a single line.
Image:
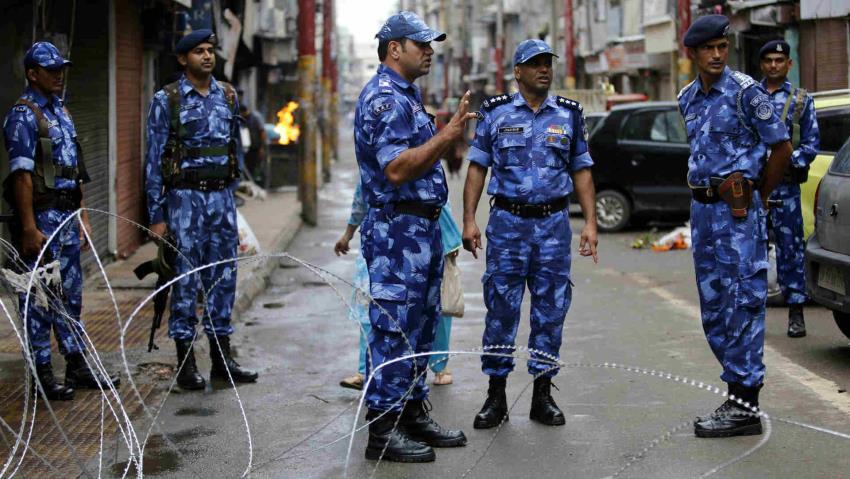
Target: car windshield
[(841, 163)]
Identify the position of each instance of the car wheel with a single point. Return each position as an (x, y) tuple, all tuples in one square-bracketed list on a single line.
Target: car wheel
[(613, 210), (842, 320)]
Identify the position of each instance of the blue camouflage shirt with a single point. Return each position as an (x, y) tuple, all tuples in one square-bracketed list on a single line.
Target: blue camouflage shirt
[(809, 145), (722, 138), (388, 120), (532, 154), (21, 132), (208, 121)]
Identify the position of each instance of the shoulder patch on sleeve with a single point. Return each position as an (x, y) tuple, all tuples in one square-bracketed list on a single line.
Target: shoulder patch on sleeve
[(764, 110), (758, 99), (742, 79), (381, 104), (380, 108), (495, 101), (567, 103)]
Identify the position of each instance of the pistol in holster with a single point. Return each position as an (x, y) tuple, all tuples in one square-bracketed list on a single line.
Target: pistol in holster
[(737, 192)]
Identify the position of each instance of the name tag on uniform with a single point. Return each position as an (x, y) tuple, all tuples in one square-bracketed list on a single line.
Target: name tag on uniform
[(511, 129), (190, 106)]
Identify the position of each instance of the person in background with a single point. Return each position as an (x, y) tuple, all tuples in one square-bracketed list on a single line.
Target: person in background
[(359, 311), (451, 238), (255, 148), (786, 217)]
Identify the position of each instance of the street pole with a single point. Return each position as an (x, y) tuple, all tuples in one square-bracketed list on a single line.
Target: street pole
[(308, 180), (500, 42), (683, 8), (553, 29), (569, 46), (327, 89)]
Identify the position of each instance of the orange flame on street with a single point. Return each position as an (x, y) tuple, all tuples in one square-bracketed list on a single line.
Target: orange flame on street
[(285, 126)]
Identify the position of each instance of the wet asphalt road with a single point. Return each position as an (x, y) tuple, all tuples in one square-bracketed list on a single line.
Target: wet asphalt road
[(635, 308)]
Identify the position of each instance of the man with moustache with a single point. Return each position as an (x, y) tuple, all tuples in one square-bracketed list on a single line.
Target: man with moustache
[(44, 188), (786, 218), (192, 168), (404, 185), (731, 123), (536, 145)]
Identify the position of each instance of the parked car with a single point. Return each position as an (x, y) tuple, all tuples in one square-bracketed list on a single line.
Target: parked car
[(833, 113), (593, 120), (828, 249), (640, 153)]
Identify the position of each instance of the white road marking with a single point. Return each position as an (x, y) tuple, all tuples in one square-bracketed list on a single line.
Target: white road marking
[(825, 389)]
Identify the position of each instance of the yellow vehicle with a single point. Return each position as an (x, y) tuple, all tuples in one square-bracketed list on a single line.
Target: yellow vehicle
[(833, 113)]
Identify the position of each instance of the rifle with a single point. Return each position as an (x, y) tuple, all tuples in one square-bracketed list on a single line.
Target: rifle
[(163, 266)]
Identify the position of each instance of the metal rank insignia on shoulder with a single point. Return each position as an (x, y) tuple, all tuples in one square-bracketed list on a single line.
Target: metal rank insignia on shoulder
[(495, 101), (571, 104)]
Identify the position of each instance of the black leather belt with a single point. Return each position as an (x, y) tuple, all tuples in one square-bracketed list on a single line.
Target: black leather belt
[(706, 195), (527, 210), (204, 179), (64, 200), (415, 208)]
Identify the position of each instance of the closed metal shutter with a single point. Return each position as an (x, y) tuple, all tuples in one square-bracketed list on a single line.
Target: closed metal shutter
[(128, 70), (831, 54), (87, 98), (823, 54)]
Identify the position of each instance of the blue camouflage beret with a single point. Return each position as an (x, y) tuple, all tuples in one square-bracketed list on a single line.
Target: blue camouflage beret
[(45, 55), (194, 39), (705, 29), (408, 25), (775, 46), (529, 49)]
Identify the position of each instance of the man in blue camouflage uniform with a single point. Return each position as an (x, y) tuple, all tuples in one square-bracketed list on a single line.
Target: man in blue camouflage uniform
[(798, 113), (536, 145), (731, 125), (192, 168), (44, 188), (405, 187)]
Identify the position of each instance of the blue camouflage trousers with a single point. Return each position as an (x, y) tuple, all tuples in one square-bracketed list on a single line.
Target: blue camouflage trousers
[(520, 251), (404, 254), (204, 225), (787, 224), (63, 318), (730, 259)]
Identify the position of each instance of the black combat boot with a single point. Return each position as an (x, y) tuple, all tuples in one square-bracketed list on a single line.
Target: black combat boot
[(731, 418), (796, 324), (543, 407), (53, 390), (188, 376), (391, 441), (420, 427), (78, 375), (495, 408), (222, 362)]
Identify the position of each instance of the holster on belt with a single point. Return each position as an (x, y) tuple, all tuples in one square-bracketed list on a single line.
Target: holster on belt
[(737, 192)]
